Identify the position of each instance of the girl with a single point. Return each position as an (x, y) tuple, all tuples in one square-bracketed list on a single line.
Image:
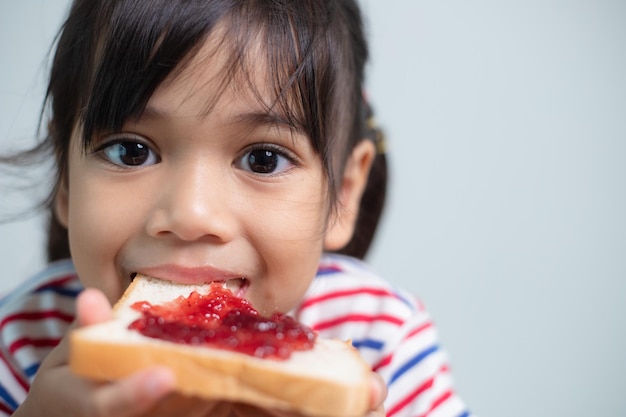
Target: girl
[(202, 140)]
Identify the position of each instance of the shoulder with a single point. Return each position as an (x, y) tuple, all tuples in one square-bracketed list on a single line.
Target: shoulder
[(46, 297), (342, 281), (390, 328), (58, 282), (59, 276), (348, 300), (34, 317)]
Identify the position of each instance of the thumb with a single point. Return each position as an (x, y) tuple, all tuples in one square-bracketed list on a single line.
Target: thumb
[(92, 307), (378, 392)]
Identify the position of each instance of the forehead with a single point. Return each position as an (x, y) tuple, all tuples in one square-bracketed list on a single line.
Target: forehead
[(243, 55), (201, 80), (225, 77)]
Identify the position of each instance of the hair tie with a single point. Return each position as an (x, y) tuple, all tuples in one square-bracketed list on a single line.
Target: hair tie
[(373, 132), (376, 135)]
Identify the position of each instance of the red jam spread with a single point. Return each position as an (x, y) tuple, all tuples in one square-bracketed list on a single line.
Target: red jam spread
[(219, 319)]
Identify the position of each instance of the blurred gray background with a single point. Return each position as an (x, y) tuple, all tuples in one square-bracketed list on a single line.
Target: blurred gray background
[(506, 123)]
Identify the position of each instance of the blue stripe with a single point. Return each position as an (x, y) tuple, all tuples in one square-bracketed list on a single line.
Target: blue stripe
[(32, 370), (56, 269), (417, 359), (368, 343), (408, 302), (465, 414), (325, 271), (68, 292), (4, 395)]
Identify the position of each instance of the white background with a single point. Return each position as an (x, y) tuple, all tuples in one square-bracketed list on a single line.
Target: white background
[(506, 123)]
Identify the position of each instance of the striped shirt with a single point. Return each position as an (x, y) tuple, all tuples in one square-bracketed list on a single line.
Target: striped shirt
[(346, 300)]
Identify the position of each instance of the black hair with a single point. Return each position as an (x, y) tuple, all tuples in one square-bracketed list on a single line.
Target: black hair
[(112, 55)]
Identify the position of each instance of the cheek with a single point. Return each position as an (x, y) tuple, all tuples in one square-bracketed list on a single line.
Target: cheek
[(98, 227), (295, 219), (289, 237)]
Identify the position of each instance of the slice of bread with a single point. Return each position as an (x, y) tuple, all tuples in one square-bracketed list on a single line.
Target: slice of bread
[(329, 380)]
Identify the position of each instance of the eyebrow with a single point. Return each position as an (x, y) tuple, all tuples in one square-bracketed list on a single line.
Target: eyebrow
[(254, 119), (269, 119)]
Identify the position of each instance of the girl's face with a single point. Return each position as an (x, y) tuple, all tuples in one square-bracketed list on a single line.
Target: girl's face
[(191, 194)]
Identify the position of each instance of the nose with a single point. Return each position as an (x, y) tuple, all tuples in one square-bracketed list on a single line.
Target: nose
[(193, 203)]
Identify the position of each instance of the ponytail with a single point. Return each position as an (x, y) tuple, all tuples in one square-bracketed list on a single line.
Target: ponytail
[(373, 199)]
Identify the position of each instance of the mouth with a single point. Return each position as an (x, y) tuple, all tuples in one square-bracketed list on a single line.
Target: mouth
[(237, 286)]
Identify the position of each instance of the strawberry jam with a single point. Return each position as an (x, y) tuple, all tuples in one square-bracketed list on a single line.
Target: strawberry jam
[(219, 319)]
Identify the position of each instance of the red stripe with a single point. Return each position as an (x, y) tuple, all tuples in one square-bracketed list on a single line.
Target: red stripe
[(346, 293), (38, 343), (37, 315), (384, 362), (5, 409), (387, 359), (407, 400), (419, 329), (420, 304), (18, 377), (420, 390), (438, 402), (57, 282), (351, 318)]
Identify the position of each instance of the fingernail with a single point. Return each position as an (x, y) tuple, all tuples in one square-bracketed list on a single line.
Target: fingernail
[(158, 382)]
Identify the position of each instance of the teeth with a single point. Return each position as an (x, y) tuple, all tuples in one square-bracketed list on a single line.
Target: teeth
[(234, 285)]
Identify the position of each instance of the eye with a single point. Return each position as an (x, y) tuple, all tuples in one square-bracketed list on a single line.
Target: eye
[(129, 152), (265, 160)]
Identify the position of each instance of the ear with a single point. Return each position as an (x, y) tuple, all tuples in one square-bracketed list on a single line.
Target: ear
[(61, 202), (343, 219)]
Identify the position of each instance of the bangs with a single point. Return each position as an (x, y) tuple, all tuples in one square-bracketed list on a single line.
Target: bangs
[(310, 64), (142, 45), (112, 55)]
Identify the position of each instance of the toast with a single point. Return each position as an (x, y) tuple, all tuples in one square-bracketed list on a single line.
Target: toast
[(330, 379)]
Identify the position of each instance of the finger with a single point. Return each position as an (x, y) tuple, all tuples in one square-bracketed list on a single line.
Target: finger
[(178, 404), (222, 409), (245, 410), (92, 307), (378, 392), (134, 395)]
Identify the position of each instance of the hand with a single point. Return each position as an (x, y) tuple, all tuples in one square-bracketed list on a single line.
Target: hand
[(224, 409), (377, 397), (57, 392)]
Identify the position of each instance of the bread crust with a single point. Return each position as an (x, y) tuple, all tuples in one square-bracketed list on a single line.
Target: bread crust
[(215, 374)]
